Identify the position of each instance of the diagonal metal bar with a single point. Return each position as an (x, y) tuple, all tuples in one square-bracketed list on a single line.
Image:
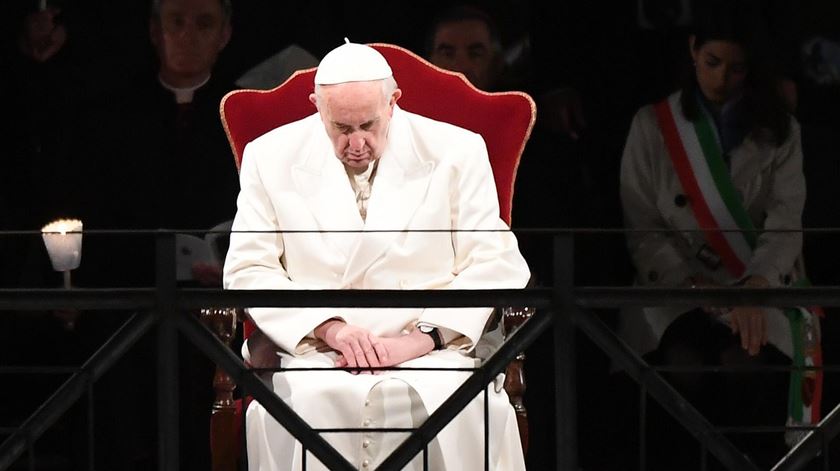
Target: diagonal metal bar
[(200, 336), (664, 393), (810, 446), (74, 388), (462, 396)]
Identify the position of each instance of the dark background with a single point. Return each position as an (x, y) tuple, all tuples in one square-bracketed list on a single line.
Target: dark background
[(616, 61)]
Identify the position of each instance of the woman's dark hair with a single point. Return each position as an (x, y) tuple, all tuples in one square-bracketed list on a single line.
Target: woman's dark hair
[(740, 22)]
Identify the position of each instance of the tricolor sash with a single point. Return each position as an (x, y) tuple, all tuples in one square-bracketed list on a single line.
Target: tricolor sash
[(695, 152)]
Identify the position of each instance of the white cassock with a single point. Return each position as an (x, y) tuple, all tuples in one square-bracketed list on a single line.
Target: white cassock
[(432, 175)]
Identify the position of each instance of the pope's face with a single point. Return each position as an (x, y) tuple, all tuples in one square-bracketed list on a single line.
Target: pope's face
[(356, 116)]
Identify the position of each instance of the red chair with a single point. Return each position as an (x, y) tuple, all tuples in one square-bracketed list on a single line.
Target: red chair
[(503, 119)]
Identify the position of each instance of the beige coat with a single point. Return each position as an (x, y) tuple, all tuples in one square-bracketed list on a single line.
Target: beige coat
[(769, 180), (431, 176)]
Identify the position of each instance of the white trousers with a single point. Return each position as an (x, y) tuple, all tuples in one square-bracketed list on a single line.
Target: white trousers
[(334, 399)]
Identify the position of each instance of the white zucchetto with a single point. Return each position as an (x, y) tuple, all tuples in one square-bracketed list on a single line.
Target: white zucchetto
[(352, 62)]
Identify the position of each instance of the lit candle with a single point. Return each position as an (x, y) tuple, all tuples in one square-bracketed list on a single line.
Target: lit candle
[(63, 239)]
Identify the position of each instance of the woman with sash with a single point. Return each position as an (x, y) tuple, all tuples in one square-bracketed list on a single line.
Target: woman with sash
[(714, 171)]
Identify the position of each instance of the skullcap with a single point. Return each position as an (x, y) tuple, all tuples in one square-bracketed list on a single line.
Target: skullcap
[(352, 62)]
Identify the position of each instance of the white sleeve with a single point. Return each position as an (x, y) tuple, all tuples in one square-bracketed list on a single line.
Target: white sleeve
[(254, 261), (776, 252), (483, 260)]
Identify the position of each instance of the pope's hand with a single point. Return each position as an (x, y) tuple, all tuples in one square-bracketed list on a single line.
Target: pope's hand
[(402, 348), (357, 346), (407, 347)]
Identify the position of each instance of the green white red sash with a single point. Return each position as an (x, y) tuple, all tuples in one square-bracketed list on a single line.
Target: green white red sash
[(695, 152)]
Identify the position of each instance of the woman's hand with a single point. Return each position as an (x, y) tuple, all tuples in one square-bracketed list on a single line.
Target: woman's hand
[(750, 322)]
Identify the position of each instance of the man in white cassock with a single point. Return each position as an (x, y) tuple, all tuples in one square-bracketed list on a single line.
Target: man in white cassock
[(363, 164)]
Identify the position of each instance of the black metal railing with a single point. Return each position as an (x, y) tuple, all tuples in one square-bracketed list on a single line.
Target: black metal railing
[(562, 306)]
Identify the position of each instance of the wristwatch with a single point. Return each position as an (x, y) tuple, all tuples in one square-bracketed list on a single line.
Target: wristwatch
[(433, 333)]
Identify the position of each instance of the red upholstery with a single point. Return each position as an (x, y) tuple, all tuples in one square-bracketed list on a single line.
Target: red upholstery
[(504, 120)]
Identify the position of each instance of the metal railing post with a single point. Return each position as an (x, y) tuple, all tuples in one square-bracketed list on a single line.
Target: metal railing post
[(565, 389), (167, 352)]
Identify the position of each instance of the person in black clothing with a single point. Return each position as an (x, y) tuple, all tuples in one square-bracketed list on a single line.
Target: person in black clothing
[(158, 157), (162, 141), (43, 89), (138, 132)]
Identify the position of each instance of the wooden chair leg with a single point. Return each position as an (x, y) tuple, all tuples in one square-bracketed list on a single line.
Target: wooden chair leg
[(515, 387), (224, 428), (513, 318)]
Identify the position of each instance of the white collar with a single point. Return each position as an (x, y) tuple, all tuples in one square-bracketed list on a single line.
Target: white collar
[(183, 94)]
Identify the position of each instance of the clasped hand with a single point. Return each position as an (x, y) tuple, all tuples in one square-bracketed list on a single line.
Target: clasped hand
[(749, 322), (358, 348)]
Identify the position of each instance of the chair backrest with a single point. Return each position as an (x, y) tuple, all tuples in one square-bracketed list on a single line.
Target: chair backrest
[(504, 119)]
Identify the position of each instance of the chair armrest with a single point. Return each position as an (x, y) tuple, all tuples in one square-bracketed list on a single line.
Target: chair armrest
[(263, 351), (514, 317)]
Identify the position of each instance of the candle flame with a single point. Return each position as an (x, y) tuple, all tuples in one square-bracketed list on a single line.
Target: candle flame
[(62, 226)]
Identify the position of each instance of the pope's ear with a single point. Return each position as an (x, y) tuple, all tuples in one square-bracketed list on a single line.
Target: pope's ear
[(395, 96), (313, 99)]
